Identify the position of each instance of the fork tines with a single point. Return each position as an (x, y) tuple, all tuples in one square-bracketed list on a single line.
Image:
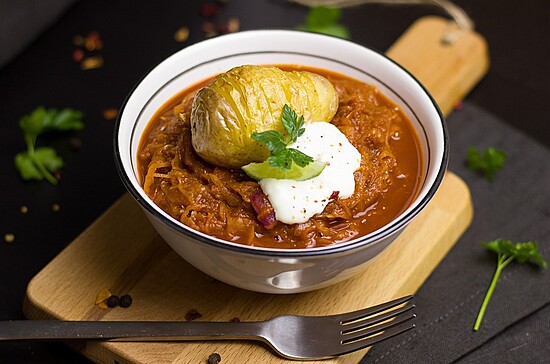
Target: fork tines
[(364, 328)]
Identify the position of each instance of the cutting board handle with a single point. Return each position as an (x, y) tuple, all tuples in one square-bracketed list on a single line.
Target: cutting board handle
[(448, 69)]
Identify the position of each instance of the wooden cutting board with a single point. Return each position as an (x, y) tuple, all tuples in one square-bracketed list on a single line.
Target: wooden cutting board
[(121, 251)]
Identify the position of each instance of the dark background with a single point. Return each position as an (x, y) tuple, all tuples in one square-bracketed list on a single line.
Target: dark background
[(137, 36)]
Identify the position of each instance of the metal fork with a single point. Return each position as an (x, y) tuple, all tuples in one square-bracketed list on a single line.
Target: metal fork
[(293, 337)]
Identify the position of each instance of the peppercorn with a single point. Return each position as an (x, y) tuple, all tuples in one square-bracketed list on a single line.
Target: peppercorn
[(182, 34), (113, 301), (78, 55), (75, 143), (192, 314), (209, 10), (214, 358), (125, 301), (9, 238), (109, 113)]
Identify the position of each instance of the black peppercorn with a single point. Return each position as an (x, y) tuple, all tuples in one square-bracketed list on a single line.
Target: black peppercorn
[(192, 314), (125, 301), (214, 358), (113, 301)]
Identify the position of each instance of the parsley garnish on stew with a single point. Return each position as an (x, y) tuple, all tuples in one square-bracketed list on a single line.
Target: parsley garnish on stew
[(489, 162), (507, 252), (277, 143), (41, 163)]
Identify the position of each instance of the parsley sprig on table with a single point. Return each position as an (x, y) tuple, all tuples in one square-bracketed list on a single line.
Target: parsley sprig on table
[(277, 143), (42, 162), (489, 162), (322, 19), (507, 252)]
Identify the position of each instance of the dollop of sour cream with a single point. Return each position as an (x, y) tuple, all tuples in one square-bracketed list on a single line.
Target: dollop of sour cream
[(296, 201)]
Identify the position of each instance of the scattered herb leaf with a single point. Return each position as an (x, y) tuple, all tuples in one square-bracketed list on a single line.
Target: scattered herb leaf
[(489, 162), (277, 143), (322, 19), (507, 252), (40, 163)]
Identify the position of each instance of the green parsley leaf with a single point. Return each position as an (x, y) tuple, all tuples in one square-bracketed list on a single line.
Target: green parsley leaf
[(521, 252), (42, 120), (490, 162), (280, 160), (48, 158), (66, 119), (322, 19), (272, 139), (27, 169), (322, 16), (281, 156), (40, 163), (507, 252), (299, 158), (285, 158), (294, 126)]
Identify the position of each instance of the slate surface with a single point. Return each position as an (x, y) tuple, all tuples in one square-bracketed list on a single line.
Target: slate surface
[(516, 327)]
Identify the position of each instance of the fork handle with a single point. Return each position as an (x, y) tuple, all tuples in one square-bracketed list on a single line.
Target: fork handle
[(128, 331)]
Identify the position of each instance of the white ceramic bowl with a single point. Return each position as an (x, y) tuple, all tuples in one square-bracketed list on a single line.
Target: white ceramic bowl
[(278, 270)]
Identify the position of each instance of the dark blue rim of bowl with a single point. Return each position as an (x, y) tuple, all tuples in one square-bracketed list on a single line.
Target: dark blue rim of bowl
[(289, 253)]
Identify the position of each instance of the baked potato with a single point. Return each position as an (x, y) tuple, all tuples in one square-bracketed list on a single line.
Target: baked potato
[(249, 99)]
